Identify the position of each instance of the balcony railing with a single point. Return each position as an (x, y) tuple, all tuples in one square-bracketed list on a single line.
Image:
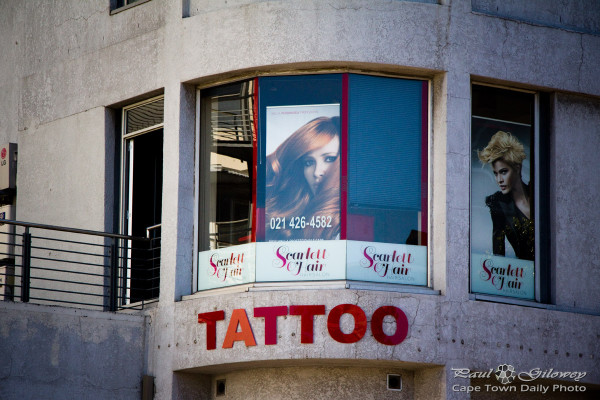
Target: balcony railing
[(47, 264)]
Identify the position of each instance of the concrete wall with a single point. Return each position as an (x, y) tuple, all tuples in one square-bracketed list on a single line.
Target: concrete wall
[(577, 16), (56, 161), (9, 72), (297, 383), (68, 66), (74, 56), (473, 335), (60, 353), (575, 188)]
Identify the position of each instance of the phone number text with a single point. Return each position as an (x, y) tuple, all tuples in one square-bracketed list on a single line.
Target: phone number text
[(316, 222)]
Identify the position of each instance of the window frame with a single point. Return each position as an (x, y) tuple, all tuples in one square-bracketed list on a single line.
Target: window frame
[(426, 132), (125, 182), (116, 6), (540, 154)]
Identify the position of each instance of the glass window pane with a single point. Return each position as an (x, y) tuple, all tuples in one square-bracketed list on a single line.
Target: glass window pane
[(144, 116), (502, 193), (228, 139), (300, 148), (386, 193), (501, 104)]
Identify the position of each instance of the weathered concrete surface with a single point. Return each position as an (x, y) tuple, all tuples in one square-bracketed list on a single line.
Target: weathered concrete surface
[(73, 56), (473, 335), (567, 15), (64, 62), (575, 192), (60, 353), (69, 164), (327, 382), (283, 32)]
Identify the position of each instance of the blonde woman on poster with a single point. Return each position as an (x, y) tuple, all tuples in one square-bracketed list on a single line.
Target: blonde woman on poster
[(511, 208)]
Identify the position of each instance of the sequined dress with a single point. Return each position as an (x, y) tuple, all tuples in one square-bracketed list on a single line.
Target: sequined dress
[(508, 221)]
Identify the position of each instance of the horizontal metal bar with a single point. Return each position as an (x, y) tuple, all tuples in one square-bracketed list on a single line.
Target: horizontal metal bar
[(70, 251), (136, 306), (11, 233), (139, 269), (63, 281), (71, 241), (145, 291), (144, 249), (70, 292), (142, 295), (66, 272), (71, 230), (68, 302), (137, 258), (58, 260), (138, 279), (16, 244), (151, 228), (141, 289)]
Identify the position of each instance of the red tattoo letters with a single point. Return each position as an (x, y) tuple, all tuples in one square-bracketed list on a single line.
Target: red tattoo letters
[(307, 313)]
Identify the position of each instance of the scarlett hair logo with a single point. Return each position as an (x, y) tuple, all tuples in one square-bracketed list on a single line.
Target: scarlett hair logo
[(505, 375), (226, 266), (313, 260), (383, 263)]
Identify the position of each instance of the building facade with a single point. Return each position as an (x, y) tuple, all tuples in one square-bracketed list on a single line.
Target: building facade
[(411, 254)]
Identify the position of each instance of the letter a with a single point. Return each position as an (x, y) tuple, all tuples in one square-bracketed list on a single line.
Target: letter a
[(238, 316)]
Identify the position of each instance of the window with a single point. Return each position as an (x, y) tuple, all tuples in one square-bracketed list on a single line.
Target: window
[(315, 177), (505, 211), (142, 177), (228, 141), (387, 160), (117, 6), (299, 157)]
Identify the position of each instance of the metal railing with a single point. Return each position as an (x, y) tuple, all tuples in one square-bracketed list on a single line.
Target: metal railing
[(230, 233), (48, 264)]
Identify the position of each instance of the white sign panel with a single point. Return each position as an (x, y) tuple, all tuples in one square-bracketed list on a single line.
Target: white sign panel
[(226, 267), (387, 263), (310, 260), (503, 276)]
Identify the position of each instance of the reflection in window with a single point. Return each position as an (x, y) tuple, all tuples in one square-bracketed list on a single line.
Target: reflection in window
[(334, 165), (144, 117), (226, 189)]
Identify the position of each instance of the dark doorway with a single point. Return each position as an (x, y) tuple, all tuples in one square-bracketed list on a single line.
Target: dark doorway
[(145, 164)]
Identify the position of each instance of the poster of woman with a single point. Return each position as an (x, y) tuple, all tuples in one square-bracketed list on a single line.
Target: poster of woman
[(502, 209), (303, 172)]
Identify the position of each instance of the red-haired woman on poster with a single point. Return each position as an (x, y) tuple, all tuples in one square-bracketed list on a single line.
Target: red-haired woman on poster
[(303, 183)]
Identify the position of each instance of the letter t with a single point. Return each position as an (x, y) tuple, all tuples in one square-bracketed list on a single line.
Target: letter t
[(211, 318), (270, 315), (306, 314)]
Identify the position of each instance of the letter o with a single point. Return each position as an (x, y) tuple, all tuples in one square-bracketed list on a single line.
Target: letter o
[(360, 323), (401, 325)]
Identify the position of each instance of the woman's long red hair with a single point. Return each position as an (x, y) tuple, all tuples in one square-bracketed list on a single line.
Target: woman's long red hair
[(288, 193)]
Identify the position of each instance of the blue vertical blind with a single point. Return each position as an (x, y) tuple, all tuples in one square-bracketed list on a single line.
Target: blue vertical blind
[(384, 157)]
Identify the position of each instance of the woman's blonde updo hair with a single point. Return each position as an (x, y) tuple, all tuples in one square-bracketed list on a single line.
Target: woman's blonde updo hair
[(503, 146)]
